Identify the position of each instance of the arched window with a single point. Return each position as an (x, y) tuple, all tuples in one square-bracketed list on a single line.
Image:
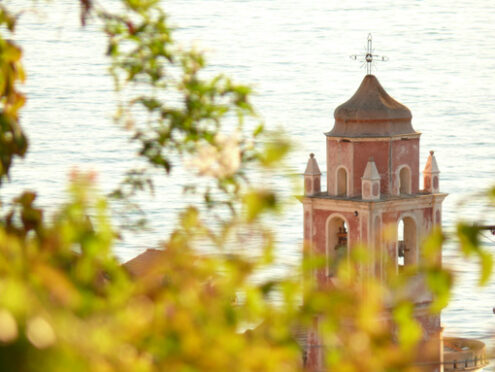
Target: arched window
[(407, 250), (342, 182), (337, 244), (405, 180)]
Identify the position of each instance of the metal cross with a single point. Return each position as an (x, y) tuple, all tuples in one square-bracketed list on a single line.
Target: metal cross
[(369, 57)]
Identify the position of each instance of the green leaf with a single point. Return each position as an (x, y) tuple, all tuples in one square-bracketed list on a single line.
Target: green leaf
[(469, 238), (486, 267), (257, 202)]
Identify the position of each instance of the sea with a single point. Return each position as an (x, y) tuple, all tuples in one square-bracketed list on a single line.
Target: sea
[(440, 63)]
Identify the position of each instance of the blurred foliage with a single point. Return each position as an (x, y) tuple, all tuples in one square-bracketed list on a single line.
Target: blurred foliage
[(66, 303), (471, 245), (201, 118), (13, 141)]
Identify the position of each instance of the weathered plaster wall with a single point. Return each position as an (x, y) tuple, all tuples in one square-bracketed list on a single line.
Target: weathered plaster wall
[(389, 156), (379, 150), (405, 152), (339, 153)]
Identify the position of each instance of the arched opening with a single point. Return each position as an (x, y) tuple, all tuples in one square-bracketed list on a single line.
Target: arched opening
[(342, 182), (407, 250), (405, 181), (337, 244)]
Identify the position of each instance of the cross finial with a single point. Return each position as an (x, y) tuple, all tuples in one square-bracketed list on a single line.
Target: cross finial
[(369, 57), (369, 54)]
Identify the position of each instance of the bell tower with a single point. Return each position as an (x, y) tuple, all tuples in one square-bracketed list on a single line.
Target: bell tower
[(373, 183)]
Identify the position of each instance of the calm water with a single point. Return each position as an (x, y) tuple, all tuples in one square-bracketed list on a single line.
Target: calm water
[(296, 54)]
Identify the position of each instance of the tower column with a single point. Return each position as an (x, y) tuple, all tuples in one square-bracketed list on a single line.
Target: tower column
[(431, 175), (312, 177)]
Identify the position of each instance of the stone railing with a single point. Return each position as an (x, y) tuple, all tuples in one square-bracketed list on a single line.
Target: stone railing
[(462, 354)]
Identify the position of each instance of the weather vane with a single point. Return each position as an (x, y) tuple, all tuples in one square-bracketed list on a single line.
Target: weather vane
[(369, 57)]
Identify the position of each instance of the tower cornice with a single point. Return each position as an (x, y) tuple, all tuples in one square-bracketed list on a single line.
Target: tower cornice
[(373, 138), (324, 201)]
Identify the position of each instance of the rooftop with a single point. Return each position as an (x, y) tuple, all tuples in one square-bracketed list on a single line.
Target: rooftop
[(371, 112)]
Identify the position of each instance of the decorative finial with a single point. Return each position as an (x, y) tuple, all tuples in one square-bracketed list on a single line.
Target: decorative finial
[(432, 152), (311, 155), (369, 57)]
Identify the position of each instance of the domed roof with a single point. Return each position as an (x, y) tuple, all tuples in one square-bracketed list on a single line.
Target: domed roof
[(371, 112)]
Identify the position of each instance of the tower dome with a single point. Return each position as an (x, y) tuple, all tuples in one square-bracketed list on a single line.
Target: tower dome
[(371, 112)]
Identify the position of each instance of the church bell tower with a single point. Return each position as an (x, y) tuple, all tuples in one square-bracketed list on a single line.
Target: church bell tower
[(373, 183)]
